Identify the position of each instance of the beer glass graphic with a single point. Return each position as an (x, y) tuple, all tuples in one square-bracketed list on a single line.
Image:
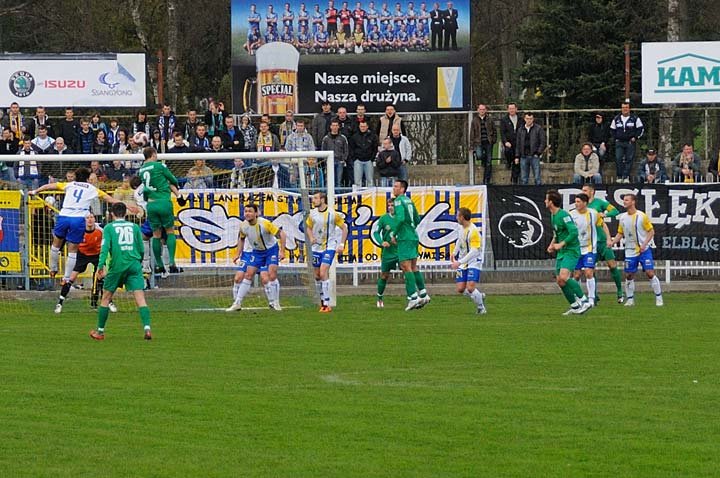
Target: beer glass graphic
[(277, 68)]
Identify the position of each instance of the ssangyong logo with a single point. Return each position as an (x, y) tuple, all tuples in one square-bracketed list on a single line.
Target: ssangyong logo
[(688, 73), (22, 84)]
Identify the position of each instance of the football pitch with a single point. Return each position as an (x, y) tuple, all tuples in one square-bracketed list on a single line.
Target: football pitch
[(362, 392)]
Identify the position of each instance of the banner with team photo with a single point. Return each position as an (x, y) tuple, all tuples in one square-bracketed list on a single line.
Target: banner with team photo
[(340, 58), (10, 257), (208, 225), (685, 218)]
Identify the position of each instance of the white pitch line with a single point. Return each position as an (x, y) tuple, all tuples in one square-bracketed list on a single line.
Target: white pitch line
[(222, 309)]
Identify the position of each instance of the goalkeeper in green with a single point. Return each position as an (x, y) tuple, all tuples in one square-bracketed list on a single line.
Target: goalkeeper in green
[(404, 227), (384, 236), (122, 241)]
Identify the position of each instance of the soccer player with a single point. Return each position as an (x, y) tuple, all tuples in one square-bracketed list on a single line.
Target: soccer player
[(317, 19), (288, 18), (359, 38), (320, 43), (384, 236), (268, 249), (271, 35), (420, 40), (70, 225), (388, 41), (254, 19), (404, 228), (373, 16), (359, 15), (271, 20), (374, 39), (403, 38), (565, 243), (241, 273), (331, 16), (158, 184), (88, 253), (398, 17), (303, 18), (467, 259), (638, 232), (287, 36), (122, 245), (587, 222), (411, 16), (385, 17), (254, 41), (604, 252), (321, 224), (303, 41)]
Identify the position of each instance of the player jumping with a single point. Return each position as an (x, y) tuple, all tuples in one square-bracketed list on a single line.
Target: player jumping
[(467, 259)]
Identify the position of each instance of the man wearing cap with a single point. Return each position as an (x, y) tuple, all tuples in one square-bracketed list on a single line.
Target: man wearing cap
[(599, 137), (652, 169)]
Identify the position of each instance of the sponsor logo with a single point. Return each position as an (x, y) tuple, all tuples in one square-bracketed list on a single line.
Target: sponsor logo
[(65, 84), (523, 227), (688, 73), (277, 88), (22, 84)]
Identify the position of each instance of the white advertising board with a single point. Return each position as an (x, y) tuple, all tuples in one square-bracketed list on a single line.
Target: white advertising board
[(73, 80), (681, 72)]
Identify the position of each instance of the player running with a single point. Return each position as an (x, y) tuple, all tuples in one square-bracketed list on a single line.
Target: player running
[(604, 252), (467, 259), (384, 237), (587, 222), (88, 253), (268, 249), (637, 230), (122, 246), (406, 221), (565, 243), (321, 224), (70, 225)]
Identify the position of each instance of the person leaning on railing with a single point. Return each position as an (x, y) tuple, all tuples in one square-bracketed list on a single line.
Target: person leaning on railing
[(686, 165)]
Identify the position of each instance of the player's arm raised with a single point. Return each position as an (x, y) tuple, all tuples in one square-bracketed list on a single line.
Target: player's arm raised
[(48, 187)]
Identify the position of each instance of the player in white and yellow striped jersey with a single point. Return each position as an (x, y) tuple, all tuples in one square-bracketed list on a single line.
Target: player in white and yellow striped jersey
[(587, 220), (467, 259)]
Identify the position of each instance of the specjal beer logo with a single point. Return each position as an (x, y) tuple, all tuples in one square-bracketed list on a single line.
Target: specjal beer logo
[(277, 88), (22, 84)]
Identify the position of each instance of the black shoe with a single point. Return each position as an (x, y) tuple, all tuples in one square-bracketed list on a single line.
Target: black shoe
[(148, 335), (161, 272), (175, 269)]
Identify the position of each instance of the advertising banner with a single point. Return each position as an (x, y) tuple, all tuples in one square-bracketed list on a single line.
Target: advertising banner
[(208, 225), (681, 72), (73, 80), (285, 56), (10, 258), (685, 219)]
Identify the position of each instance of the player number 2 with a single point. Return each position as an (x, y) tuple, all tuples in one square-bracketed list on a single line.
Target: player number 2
[(125, 235), (146, 181)]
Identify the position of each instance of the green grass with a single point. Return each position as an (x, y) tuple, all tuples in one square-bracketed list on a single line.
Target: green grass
[(441, 392)]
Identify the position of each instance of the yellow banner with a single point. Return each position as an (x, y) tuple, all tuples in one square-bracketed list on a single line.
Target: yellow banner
[(10, 199), (10, 258)]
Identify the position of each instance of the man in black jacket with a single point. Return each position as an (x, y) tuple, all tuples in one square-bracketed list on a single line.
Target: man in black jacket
[(388, 163), (232, 137), (363, 149), (69, 129), (509, 125), (450, 26), (600, 137), (436, 27), (530, 146)]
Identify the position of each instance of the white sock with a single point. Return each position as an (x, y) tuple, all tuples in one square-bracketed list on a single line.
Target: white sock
[(70, 264), (325, 292), (244, 288), (165, 255), (268, 288), (146, 253), (476, 296), (591, 288), (655, 283), (630, 288), (54, 258), (276, 290), (318, 288), (236, 288)]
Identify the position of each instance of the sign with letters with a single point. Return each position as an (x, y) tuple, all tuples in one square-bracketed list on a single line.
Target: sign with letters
[(10, 252)]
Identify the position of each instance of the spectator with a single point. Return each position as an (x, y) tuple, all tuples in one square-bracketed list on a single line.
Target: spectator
[(232, 136), (346, 123), (120, 146), (714, 168), (388, 163), (265, 118), (195, 179), (482, 139), (286, 128), (124, 192), (626, 128), (85, 138), (363, 151), (28, 171), (113, 134), (300, 139), (156, 141), (100, 146), (190, 126), (215, 118), (249, 133), (42, 143), (40, 119), (116, 172), (587, 166), (96, 124), (204, 172), (403, 147), (69, 129), (237, 175), (179, 145), (599, 137), (530, 146), (8, 146), (200, 142), (652, 169), (16, 121), (336, 142), (99, 170), (280, 175), (314, 177), (686, 166), (166, 124), (320, 125), (216, 145), (360, 117), (141, 124), (266, 140), (390, 118), (509, 125), (60, 147)]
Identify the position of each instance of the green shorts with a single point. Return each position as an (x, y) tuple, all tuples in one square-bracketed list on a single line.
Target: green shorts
[(407, 250), (132, 278), (604, 253), (566, 261), (160, 214), (388, 263)]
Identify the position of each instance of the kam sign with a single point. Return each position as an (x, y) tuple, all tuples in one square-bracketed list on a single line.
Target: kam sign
[(681, 72)]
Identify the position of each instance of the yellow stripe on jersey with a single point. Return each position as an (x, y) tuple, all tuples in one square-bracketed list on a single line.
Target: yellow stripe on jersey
[(269, 226), (473, 238), (646, 224)]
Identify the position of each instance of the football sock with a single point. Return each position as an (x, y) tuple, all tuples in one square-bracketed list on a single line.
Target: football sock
[(165, 254), (630, 288), (70, 264), (103, 313), (95, 294), (318, 288), (54, 258), (64, 291), (617, 278), (591, 287), (381, 284), (276, 290), (325, 292), (145, 316), (410, 285), (575, 288), (244, 288), (171, 241), (268, 288), (568, 293), (655, 283), (236, 288), (146, 253), (157, 251), (476, 296), (420, 281)]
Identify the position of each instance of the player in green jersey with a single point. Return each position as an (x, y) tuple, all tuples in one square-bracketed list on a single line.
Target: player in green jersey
[(158, 184), (385, 237), (604, 251), (404, 227), (567, 246), (122, 242)]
